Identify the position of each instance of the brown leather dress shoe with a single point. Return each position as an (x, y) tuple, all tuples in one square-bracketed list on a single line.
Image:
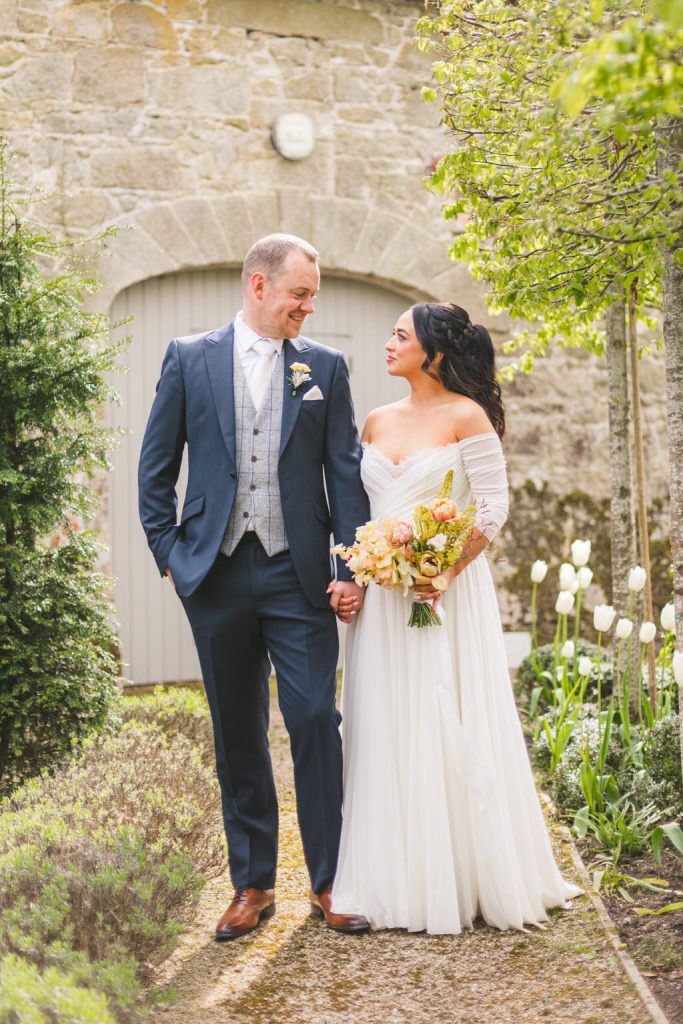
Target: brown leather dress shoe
[(248, 908), (321, 904)]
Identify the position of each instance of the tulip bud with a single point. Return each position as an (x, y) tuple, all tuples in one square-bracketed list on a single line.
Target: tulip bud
[(603, 617), (678, 667), (574, 588), (636, 579), (567, 649), (585, 666), (559, 673), (584, 577), (581, 552), (648, 631), (668, 617), (564, 603), (624, 629), (539, 571), (567, 576)]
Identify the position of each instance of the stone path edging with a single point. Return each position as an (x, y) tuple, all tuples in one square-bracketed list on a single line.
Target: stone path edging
[(629, 965)]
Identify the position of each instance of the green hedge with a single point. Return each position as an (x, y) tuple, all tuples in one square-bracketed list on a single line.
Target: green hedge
[(100, 866)]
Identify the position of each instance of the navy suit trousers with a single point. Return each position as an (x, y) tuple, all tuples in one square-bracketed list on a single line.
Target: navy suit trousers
[(250, 610)]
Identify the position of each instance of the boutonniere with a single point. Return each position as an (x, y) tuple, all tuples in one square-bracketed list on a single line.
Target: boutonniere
[(300, 375)]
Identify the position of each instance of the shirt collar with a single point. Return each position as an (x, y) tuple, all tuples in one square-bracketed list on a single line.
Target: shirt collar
[(246, 337)]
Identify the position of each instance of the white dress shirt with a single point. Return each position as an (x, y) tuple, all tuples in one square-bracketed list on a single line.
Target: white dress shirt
[(245, 339)]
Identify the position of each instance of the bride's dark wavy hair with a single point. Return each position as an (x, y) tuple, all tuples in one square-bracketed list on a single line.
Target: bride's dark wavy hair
[(468, 363)]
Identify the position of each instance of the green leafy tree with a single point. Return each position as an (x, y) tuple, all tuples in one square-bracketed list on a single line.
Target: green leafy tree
[(634, 75), (58, 668), (568, 213)]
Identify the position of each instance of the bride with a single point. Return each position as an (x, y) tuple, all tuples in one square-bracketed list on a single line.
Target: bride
[(441, 817)]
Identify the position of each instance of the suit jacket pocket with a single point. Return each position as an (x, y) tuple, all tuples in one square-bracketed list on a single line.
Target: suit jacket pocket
[(322, 514), (192, 508)]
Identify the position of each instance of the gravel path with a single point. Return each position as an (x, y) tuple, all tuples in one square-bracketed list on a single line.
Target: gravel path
[(293, 970)]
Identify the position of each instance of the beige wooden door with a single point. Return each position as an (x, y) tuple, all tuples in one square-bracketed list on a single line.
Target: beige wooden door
[(354, 316)]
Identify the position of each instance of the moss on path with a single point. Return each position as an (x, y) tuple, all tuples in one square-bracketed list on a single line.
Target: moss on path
[(293, 970)]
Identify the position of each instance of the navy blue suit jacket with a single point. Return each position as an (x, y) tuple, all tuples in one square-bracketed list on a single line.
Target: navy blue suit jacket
[(319, 447)]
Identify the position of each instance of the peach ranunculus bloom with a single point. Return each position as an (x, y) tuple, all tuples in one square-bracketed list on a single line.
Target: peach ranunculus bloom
[(444, 510), (400, 533)]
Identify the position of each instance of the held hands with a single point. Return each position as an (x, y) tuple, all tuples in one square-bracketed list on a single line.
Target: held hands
[(167, 572), (346, 599)]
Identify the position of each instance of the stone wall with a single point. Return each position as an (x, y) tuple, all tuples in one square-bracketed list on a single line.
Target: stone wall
[(157, 114)]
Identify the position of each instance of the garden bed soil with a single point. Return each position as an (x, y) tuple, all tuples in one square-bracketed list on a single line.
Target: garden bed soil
[(654, 943)]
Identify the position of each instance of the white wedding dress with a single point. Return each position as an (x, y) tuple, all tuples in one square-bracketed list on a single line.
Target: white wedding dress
[(441, 817)]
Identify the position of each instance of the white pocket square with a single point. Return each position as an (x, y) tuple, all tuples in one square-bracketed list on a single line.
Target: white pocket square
[(314, 395)]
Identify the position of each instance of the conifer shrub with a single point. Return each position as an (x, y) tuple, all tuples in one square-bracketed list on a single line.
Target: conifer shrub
[(58, 668)]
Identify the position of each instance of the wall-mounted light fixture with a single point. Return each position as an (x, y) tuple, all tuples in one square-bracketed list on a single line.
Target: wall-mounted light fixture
[(293, 136)]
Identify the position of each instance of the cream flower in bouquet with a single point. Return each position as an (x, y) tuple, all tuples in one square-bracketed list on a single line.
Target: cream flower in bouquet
[(395, 553)]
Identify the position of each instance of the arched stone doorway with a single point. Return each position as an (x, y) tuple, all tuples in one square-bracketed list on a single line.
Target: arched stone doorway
[(352, 315)]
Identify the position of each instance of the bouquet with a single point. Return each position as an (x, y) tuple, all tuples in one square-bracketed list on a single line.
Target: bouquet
[(394, 553)]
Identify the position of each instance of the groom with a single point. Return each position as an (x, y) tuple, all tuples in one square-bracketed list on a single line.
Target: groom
[(268, 422)]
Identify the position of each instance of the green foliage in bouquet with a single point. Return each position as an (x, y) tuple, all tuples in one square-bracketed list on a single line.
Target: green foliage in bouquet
[(57, 663)]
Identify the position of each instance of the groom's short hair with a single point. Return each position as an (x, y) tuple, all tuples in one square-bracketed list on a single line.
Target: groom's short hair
[(268, 255)]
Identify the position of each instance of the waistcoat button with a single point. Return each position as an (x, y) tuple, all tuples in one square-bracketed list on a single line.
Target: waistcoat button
[(254, 458)]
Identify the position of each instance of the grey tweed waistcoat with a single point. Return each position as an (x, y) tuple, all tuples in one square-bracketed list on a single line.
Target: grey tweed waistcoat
[(257, 452)]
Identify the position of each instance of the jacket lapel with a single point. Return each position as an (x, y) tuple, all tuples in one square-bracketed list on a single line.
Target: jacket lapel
[(218, 351), (294, 352)]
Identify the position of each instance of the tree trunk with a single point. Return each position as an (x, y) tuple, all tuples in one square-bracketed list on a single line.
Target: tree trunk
[(622, 520), (672, 294), (641, 492)]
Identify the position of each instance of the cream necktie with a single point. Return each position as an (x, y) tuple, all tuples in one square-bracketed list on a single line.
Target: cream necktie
[(260, 378)]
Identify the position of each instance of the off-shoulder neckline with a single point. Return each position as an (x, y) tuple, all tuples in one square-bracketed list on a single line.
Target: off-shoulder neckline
[(423, 451)]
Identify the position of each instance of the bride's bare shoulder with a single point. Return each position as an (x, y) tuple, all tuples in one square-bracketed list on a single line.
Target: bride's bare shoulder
[(468, 418), (379, 418)]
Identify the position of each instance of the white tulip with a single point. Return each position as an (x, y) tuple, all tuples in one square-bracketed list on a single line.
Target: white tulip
[(539, 571), (585, 666), (567, 576), (668, 617), (564, 603), (636, 579), (648, 631), (574, 589), (603, 617), (581, 552), (559, 673), (624, 629), (584, 576), (678, 667), (567, 649)]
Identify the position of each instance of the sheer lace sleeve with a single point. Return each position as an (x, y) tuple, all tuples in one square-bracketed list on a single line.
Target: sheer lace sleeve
[(484, 462)]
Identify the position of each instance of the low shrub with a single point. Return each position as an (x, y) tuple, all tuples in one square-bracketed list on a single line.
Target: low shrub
[(527, 673), (100, 865), (662, 764), (178, 711), (566, 782), (28, 996)]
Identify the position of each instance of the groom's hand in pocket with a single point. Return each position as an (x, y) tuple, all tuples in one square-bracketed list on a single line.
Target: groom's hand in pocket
[(346, 599)]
